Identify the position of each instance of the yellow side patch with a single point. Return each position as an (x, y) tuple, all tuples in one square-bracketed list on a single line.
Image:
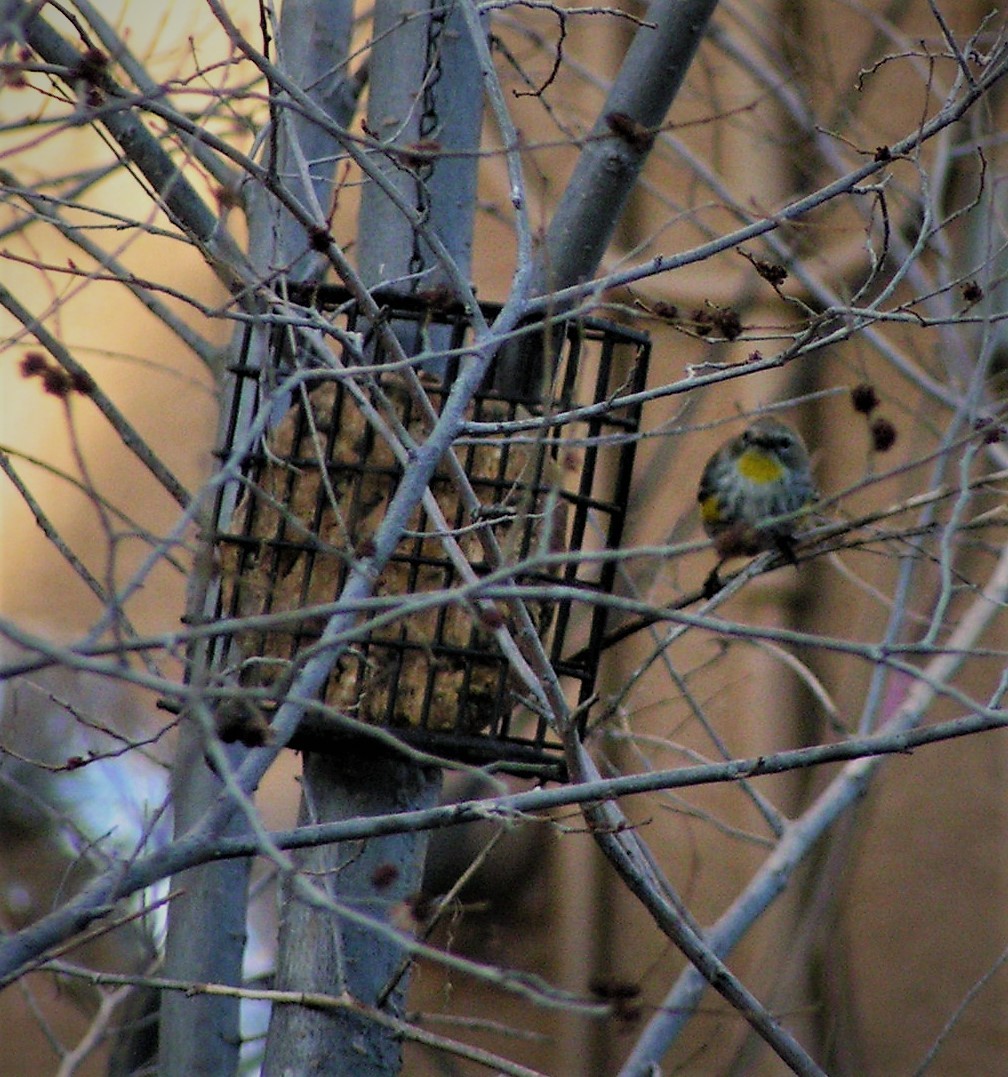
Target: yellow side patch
[(759, 466), (710, 510)]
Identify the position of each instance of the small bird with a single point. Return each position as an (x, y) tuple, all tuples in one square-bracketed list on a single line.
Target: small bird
[(751, 491)]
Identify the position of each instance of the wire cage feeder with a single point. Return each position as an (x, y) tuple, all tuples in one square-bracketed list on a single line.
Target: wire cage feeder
[(551, 475)]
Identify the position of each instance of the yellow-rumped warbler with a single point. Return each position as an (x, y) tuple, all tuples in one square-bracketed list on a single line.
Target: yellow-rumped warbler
[(747, 484)]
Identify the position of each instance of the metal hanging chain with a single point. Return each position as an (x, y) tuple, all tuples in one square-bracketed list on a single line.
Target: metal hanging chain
[(429, 124)]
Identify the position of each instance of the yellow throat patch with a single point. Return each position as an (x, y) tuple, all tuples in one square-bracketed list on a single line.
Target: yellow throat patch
[(759, 467)]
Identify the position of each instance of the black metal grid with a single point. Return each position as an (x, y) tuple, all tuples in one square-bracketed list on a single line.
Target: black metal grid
[(318, 486)]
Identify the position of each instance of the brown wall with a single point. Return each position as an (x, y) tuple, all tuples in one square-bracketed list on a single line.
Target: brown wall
[(899, 912)]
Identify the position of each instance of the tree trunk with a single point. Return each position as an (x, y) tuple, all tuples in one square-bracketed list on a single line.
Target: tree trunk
[(319, 951), (206, 921), (424, 84)]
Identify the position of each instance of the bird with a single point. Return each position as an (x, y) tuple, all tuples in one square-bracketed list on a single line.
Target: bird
[(753, 491)]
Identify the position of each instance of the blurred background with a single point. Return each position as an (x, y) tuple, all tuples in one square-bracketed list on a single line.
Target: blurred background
[(899, 915)]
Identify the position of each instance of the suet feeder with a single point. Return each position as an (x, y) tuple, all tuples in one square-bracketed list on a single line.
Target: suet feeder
[(550, 472)]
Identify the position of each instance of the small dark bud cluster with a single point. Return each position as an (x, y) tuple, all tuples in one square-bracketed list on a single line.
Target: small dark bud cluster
[(633, 132), (723, 320), (883, 434), (772, 272), (972, 292), (990, 430), (55, 380), (864, 398)]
